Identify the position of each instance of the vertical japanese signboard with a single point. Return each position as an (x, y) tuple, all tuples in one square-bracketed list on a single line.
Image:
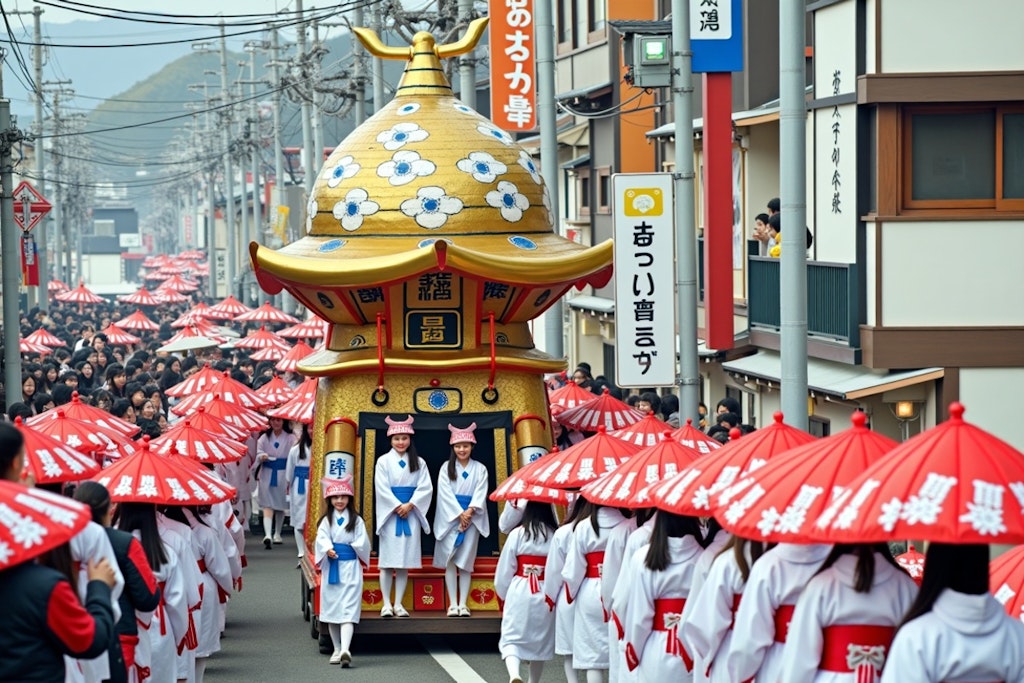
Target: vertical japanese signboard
[(513, 71), (645, 324)]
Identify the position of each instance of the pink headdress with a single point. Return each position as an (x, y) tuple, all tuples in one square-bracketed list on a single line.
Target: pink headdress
[(338, 487), (403, 427), (460, 435)]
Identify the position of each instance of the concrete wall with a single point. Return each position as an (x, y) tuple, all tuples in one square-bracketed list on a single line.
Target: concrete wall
[(989, 396)]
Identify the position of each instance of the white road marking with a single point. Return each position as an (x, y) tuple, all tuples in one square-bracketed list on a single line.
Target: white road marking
[(453, 665)]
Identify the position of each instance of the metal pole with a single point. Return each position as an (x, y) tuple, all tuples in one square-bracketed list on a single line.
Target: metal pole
[(211, 234), (686, 230), (243, 230), (229, 185), (378, 63), (57, 210), (307, 132), (257, 203), (467, 62), (357, 68), (279, 176), (10, 244), (43, 295), (554, 322), (793, 195), (316, 115)]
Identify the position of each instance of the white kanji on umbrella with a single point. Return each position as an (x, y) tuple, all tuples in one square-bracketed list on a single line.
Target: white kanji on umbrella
[(5, 553), (920, 508), (792, 518), (177, 492), (124, 487), (147, 486), (55, 513), (198, 490), (738, 508), (25, 530), (985, 513)]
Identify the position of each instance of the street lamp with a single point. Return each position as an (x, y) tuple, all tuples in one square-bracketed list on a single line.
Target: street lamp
[(905, 412)]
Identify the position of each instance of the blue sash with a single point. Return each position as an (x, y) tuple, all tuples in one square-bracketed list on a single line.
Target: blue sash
[(301, 474), (464, 501), (276, 465), (345, 554), (404, 495)]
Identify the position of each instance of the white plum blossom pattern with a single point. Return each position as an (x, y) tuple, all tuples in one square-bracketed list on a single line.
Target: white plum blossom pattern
[(482, 166), (5, 553), (431, 207), (343, 170), (526, 161), (509, 201), (312, 208), (401, 134), (490, 131), (985, 512), (408, 108), (459, 106), (405, 166), (353, 208), (25, 530)]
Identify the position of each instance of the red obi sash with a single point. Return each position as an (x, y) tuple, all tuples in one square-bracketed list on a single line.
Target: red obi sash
[(783, 615), (736, 597), (531, 567), (856, 649), (595, 563), (668, 616)]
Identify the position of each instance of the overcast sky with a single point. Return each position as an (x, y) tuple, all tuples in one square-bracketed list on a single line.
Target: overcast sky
[(197, 7)]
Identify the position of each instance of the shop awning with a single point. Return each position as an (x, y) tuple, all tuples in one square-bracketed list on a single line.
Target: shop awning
[(750, 117), (849, 382), (574, 135), (594, 304)]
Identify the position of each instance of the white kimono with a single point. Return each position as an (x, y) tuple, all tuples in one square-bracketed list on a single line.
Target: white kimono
[(828, 600), (708, 617), (640, 537), (93, 544), (511, 515), (657, 654), (158, 644), (216, 581), (400, 552), (273, 491), (297, 476), (777, 579), (223, 521), (527, 622), (341, 601), (614, 558), (964, 638), (179, 537), (469, 487), (700, 575), (554, 589), (590, 631)]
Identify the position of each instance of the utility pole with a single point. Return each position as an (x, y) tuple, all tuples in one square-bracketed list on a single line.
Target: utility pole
[(309, 160), (377, 62), (467, 63), (243, 233), (686, 230), (254, 149), (554, 319), (10, 244), (357, 68), (58, 208), (41, 257), (229, 188), (793, 196), (282, 197), (316, 115)]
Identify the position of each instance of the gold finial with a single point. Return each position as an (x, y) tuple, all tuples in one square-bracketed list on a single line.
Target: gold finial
[(423, 74)]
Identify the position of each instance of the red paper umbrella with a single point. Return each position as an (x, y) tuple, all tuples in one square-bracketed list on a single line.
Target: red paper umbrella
[(51, 462), (913, 562), (188, 338), (290, 361), (690, 436), (242, 417), (42, 336), (76, 410), (1006, 581), (604, 410), (192, 255), (629, 484), (515, 487), (300, 407), (156, 275), (690, 491), (118, 337), (147, 477), (228, 389), (311, 328), (570, 396), (57, 286), (261, 339), (271, 353), (142, 297), (276, 391), (265, 314), (954, 483), (25, 346), (646, 432), (781, 501), (33, 521), (86, 436), (215, 425), (169, 296), (199, 382), (198, 444), (137, 321), (80, 295), (197, 312), (179, 284), (580, 463), (227, 309)]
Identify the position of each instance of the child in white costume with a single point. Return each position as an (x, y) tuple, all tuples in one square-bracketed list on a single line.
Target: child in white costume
[(297, 476), (846, 617), (272, 450), (527, 619), (342, 548), (461, 517), (402, 493), (554, 585)]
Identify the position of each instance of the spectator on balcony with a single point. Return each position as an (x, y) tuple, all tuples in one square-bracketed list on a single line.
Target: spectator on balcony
[(761, 233), (775, 235)]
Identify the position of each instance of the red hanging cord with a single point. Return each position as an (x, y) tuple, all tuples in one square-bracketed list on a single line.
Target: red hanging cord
[(380, 352), (494, 354)]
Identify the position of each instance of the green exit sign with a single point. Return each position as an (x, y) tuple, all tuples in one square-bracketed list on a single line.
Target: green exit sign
[(655, 50)]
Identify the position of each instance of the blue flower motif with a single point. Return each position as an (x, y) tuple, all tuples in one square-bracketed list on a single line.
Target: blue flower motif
[(482, 166), (351, 210), (496, 133), (331, 245), (508, 200), (404, 167), (526, 161), (431, 207), (343, 170), (521, 242), (459, 106), (401, 134), (408, 108), (438, 400)]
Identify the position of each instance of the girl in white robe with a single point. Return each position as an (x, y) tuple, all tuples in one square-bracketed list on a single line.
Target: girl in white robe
[(297, 477), (527, 618), (554, 585), (763, 617), (639, 537), (614, 559), (91, 544), (956, 630), (402, 493), (179, 536), (341, 550), (846, 617), (272, 450), (582, 574), (658, 589), (460, 518)]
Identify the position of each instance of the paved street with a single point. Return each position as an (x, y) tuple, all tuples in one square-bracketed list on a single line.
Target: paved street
[(267, 640)]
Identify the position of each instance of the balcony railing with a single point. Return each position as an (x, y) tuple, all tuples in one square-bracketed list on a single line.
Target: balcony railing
[(833, 298)]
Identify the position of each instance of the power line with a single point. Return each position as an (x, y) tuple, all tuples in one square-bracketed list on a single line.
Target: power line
[(179, 16), (165, 20)]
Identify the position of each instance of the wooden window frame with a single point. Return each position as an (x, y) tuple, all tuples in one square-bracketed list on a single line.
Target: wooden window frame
[(603, 199), (973, 207), (583, 207)]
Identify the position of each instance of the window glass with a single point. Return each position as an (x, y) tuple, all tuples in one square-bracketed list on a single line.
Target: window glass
[(1013, 156), (585, 193), (953, 156), (604, 197)]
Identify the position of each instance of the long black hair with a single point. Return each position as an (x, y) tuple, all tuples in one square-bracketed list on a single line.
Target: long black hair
[(961, 568), (578, 511), (351, 509), (96, 496), (713, 529), (141, 517), (669, 525), (865, 554), (11, 445), (538, 521), (413, 456), (738, 546), (285, 427), (452, 459), (305, 442)]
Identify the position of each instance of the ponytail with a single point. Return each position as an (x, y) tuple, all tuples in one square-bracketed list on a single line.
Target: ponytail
[(668, 525)]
